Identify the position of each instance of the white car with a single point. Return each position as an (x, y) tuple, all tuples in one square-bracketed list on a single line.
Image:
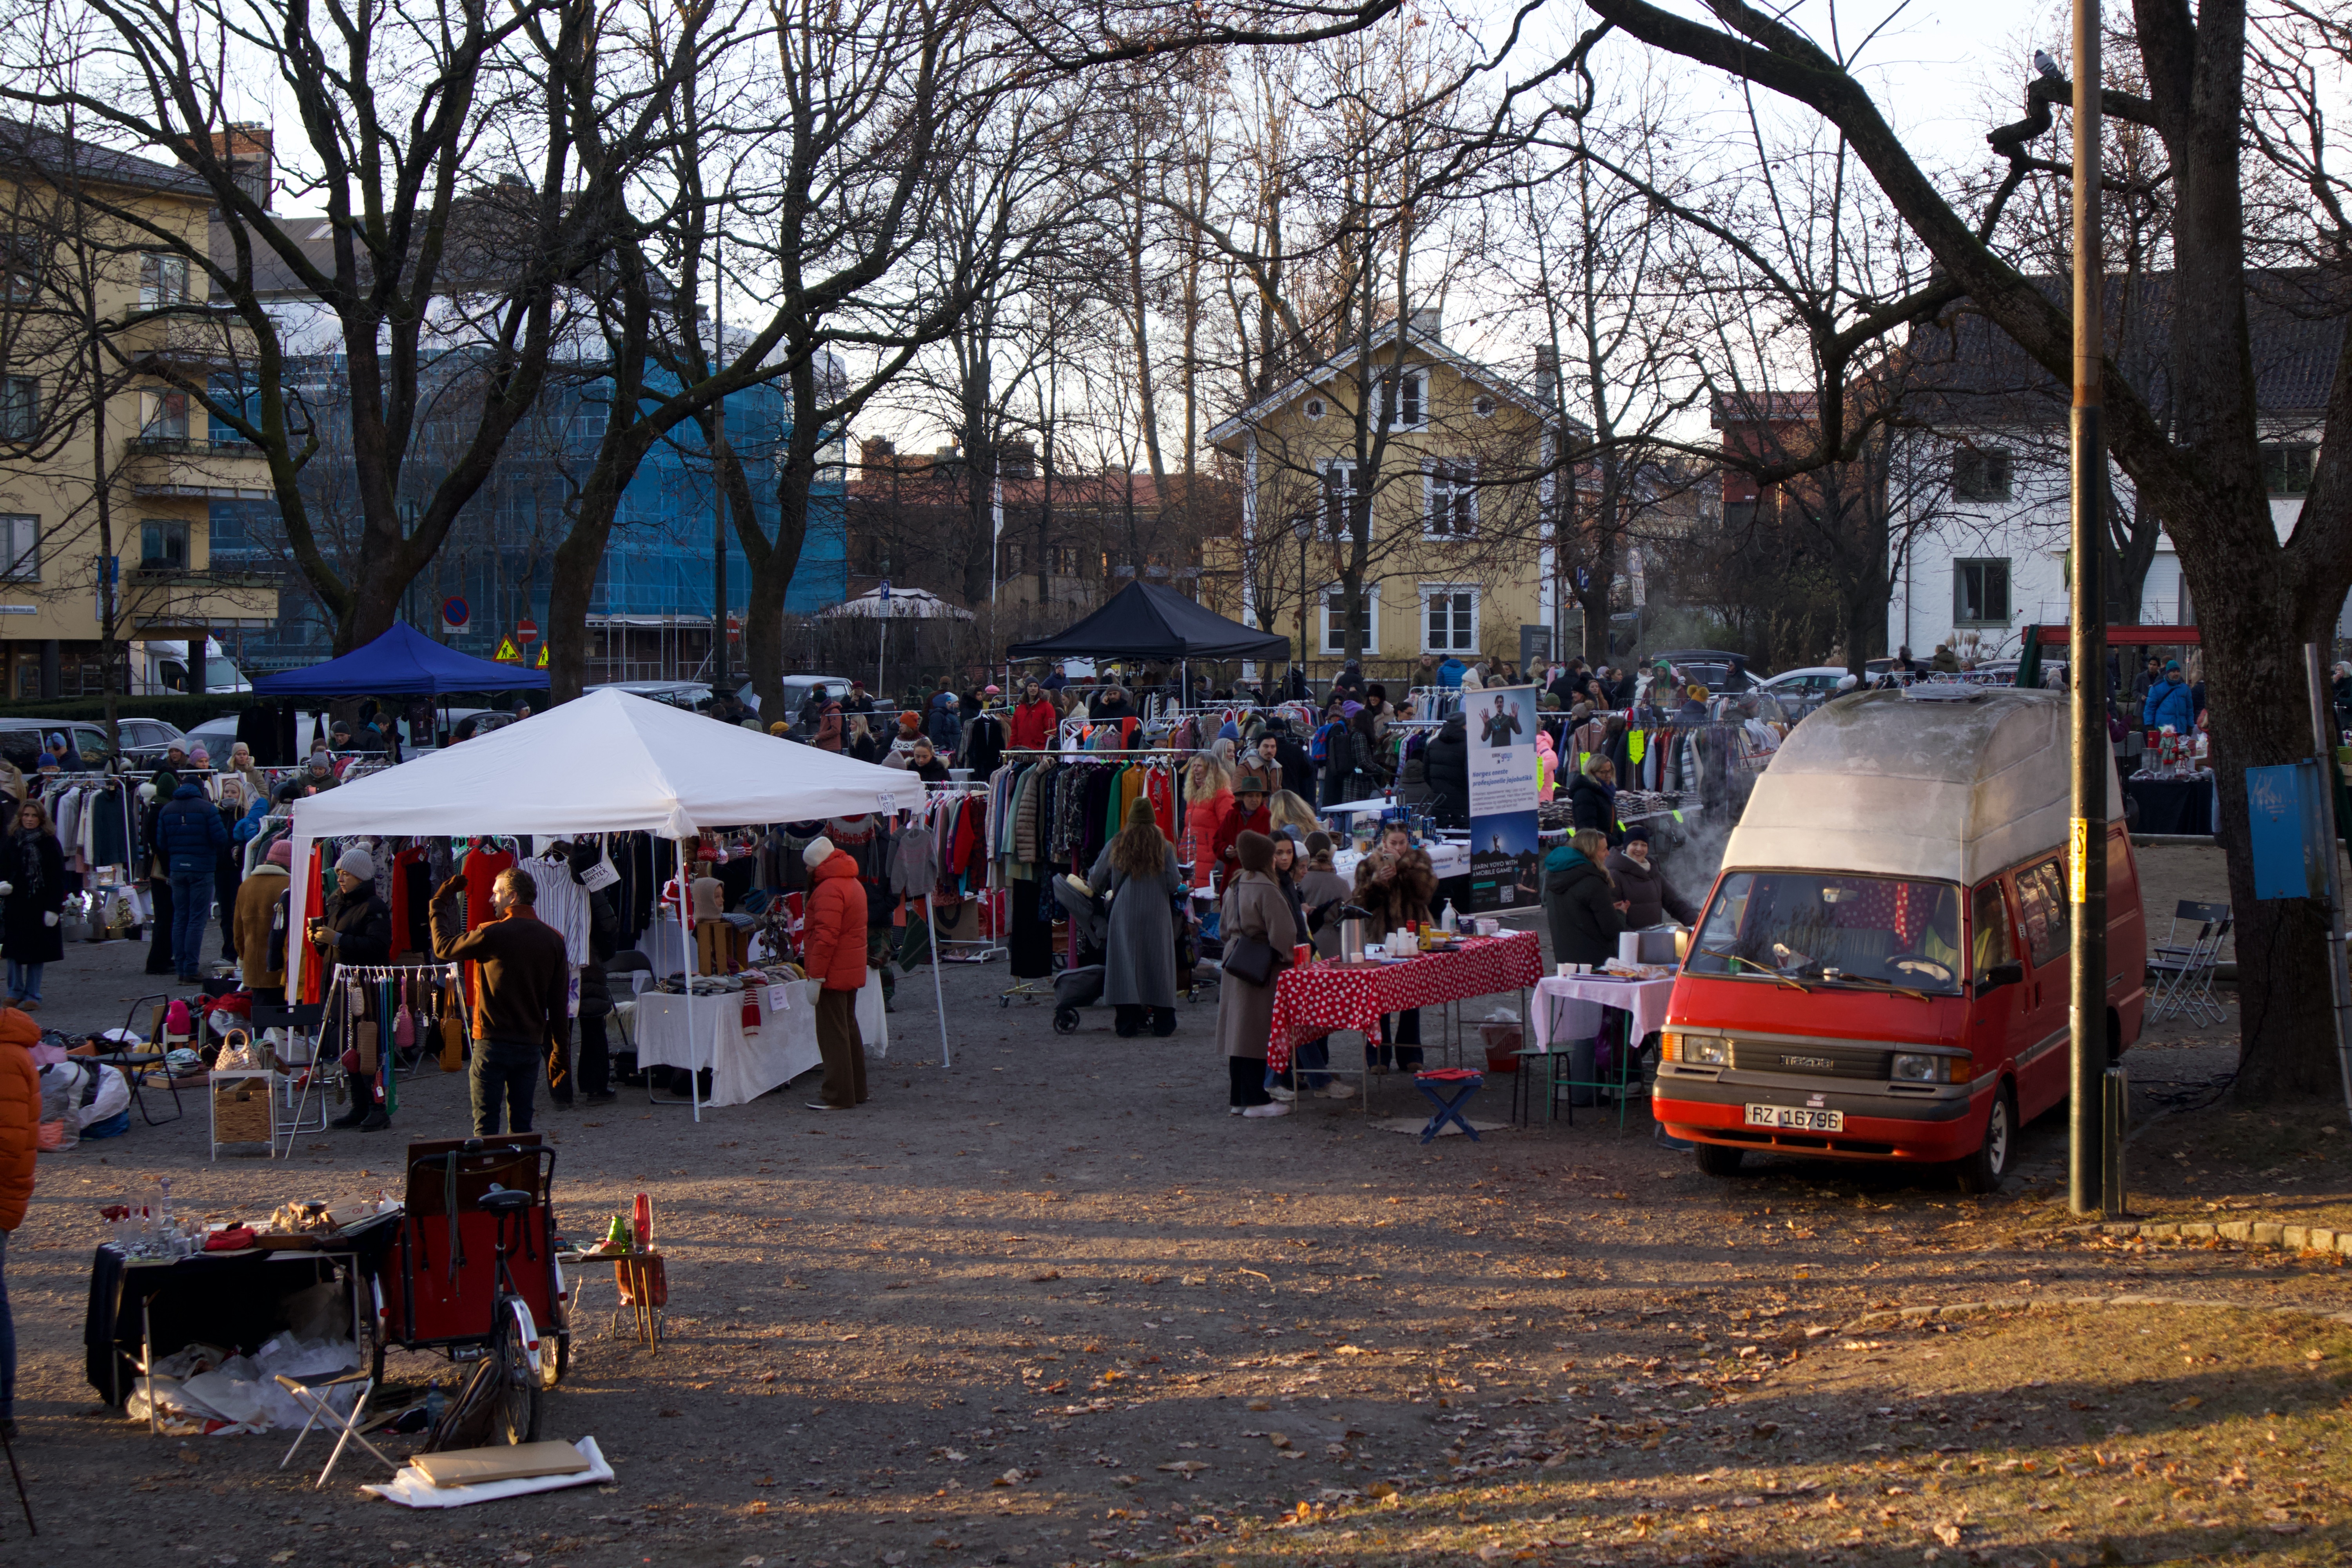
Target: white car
[(1799, 691)]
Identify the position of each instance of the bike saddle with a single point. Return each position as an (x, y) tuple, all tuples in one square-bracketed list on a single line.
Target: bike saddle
[(503, 1200)]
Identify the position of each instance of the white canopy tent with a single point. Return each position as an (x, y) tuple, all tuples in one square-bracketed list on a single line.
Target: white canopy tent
[(897, 604), (608, 763)]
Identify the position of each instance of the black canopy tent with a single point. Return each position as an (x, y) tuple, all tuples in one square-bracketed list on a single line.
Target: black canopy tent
[(1144, 620)]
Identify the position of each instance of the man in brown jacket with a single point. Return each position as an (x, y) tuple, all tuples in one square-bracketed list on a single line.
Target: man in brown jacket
[(519, 994)]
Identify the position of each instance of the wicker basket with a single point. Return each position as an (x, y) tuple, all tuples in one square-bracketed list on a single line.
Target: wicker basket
[(241, 1110)]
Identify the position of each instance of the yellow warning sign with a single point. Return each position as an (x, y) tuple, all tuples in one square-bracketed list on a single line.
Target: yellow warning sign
[(541, 662), (507, 653)]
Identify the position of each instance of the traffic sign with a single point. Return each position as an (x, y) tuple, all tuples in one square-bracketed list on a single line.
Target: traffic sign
[(455, 613), (507, 653), (526, 631), (734, 629), (541, 662)]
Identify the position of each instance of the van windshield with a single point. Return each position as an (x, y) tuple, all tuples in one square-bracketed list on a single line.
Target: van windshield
[(1819, 926)]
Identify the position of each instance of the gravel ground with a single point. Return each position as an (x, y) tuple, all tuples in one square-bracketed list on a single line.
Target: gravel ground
[(1053, 1306)]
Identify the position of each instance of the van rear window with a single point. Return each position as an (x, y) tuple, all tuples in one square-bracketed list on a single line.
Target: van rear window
[(1829, 927)]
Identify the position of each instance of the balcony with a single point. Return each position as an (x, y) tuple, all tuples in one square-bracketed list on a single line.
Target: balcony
[(212, 338), (158, 600), (183, 468)]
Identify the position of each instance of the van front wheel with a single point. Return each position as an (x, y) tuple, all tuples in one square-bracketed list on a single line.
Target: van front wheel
[(1715, 1160), (1982, 1170)]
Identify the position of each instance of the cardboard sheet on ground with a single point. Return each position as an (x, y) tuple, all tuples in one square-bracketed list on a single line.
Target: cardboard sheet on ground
[(411, 1488)]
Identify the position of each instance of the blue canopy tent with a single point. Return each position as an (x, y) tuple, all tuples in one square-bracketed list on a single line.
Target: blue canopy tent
[(401, 663)]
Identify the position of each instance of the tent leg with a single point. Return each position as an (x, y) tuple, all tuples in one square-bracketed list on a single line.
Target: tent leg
[(946, 1058), (687, 967)]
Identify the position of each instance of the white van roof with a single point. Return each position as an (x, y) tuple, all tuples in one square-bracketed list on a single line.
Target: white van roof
[(1916, 784)]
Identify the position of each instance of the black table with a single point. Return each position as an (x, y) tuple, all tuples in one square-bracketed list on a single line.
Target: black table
[(228, 1299), (2172, 805)]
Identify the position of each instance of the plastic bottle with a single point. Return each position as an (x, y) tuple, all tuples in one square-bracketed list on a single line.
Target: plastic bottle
[(1447, 922)]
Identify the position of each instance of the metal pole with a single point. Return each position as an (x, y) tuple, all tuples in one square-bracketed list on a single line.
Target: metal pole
[(718, 678), (946, 1058), (2339, 985), (2088, 1169)]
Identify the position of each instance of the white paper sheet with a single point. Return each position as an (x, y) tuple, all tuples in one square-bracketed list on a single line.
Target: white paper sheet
[(410, 1489)]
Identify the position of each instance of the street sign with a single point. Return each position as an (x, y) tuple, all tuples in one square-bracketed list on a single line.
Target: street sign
[(541, 662), (507, 653), (455, 613), (526, 631), (885, 590), (734, 629)]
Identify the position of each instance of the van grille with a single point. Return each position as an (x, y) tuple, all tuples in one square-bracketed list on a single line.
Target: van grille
[(1810, 1057)]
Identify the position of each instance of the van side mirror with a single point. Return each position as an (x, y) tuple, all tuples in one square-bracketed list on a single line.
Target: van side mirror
[(1999, 975)]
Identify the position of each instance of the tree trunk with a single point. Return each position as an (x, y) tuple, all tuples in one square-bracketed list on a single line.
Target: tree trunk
[(773, 562)]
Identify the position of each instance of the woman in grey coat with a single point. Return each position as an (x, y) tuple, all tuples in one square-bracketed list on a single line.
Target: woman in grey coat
[(1139, 865), (1254, 907)]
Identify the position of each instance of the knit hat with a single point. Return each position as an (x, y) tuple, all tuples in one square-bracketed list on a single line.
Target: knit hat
[(2171, 664), (1637, 836), (318, 759), (200, 756), (780, 728), (819, 851), (280, 854), (357, 862), (1255, 851)]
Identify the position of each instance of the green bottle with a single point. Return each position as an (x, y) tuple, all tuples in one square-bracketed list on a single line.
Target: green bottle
[(616, 1235)]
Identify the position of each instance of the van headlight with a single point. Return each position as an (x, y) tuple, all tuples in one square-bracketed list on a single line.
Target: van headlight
[(1917, 1067), (1696, 1050)]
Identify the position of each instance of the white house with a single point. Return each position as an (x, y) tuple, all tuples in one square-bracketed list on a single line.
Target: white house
[(1980, 536)]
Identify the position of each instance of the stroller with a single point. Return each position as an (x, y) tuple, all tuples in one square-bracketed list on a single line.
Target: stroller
[(1081, 985)]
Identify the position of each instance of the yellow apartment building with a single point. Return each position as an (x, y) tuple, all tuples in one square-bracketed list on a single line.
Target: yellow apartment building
[(107, 468), (1450, 465)]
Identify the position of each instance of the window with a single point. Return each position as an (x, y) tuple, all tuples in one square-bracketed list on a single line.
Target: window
[(2286, 466), (1988, 922), (2041, 905), (164, 542), (1013, 556), (1063, 560), (1450, 508), (20, 547), (20, 268), (1980, 592), (1980, 475), (1449, 618), (1368, 620), (162, 416), (1315, 408), (1483, 406), (1342, 492), (227, 390), (162, 280), (1401, 400), (20, 413)]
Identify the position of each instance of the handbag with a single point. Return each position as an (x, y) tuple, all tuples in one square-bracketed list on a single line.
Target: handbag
[(1251, 959)]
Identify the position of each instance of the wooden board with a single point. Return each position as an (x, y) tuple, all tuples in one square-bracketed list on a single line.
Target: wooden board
[(516, 1462)]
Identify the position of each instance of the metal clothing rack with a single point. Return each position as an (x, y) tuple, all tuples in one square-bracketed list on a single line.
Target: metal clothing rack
[(377, 972), (1152, 756)]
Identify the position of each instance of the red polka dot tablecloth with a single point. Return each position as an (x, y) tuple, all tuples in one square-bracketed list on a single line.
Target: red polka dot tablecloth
[(1322, 997)]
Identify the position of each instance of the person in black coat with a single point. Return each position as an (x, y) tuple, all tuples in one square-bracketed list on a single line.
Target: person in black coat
[(1297, 767), (1649, 897), (1593, 798), (356, 927), (33, 881), (1580, 902), (1445, 768)]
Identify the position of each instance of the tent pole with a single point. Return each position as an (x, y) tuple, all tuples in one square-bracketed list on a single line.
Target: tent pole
[(686, 968), (946, 1058)]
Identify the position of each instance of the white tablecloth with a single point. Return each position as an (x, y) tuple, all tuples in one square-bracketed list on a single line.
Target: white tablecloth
[(743, 1067), (1569, 1008)]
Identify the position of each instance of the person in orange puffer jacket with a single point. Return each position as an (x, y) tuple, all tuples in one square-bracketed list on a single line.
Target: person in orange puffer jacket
[(20, 1141), (834, 953)]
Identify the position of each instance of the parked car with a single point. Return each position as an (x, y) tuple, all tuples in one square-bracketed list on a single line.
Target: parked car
[(1799, 691), (1718, 671), (217, 736), (145, 741), (22, 740)]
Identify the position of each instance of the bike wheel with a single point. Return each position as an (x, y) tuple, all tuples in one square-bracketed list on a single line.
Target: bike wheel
[(514, 1388)]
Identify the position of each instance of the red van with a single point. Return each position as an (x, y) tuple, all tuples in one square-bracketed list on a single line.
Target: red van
[(1881, 972)]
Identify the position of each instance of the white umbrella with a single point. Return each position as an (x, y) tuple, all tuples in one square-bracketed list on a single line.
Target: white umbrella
[(903, 605)]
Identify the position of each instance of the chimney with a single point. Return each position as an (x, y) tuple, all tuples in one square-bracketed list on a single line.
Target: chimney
[(1426, 321), (1547, 372), (247, 148), (1016, 460)]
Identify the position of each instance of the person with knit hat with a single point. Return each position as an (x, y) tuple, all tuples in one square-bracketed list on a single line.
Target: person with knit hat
[(521, 995), (257, 924), (835, 957), (1649, 898), (1255, 909), (356, 927)]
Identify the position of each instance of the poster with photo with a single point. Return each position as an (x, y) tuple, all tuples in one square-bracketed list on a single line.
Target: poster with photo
[(1500, 724)]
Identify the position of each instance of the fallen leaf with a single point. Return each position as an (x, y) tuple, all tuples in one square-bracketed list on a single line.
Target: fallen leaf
[(2191, 1403), (1186, 1467), (1008, 1479), (1042, 1278), (1949, 1534)]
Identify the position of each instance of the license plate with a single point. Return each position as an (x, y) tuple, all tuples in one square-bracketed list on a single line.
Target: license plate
[(1796, 1118)]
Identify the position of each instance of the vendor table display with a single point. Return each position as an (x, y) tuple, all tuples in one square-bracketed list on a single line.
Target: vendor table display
[(2173, 806), (1316, 999), (742, 1065), (1569, 1013)]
